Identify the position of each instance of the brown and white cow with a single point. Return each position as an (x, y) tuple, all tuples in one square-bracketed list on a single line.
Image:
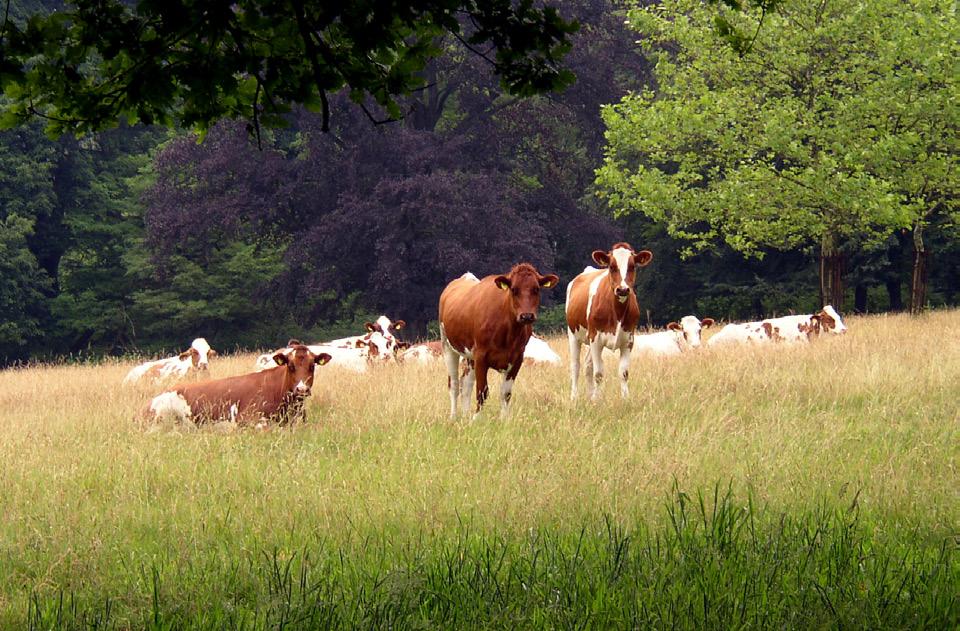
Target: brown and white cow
[(487, 323), (364, 352), (273, 394), (422, 353), (195, 358), (786, 329), (382, 325), (803, 328), (602, 312)]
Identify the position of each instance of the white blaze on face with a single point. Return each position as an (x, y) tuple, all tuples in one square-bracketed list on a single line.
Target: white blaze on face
[(839, 326), (301, 387), (622, 257), (170, 404), (378, 339), (203, 348), (385, 323)]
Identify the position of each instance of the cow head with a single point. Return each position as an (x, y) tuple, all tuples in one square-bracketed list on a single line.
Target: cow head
[(299, 362), (689, 328), (830, 320), (199, 354), (376, 346), (622, 263), (523, 285)]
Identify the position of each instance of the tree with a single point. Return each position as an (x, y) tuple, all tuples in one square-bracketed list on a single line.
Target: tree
[(100, 61), (771, 146)]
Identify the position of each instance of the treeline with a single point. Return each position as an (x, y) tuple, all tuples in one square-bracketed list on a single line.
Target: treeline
[(142, 238)]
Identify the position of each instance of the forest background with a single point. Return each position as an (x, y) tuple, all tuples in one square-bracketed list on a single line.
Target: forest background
[(839, 185)]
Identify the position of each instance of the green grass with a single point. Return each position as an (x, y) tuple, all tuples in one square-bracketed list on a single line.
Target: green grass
[(787, 487)]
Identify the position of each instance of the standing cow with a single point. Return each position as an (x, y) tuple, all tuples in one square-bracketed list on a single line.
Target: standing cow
[(602, 312), (273, 394), (487, 323)]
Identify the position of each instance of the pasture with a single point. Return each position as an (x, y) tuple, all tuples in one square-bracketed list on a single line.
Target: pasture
[(808, 486)]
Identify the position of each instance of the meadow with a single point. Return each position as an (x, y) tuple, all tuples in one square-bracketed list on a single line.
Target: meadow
[(804, 487)]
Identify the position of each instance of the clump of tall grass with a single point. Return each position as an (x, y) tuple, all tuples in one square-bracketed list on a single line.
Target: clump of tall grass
[(713, 562)]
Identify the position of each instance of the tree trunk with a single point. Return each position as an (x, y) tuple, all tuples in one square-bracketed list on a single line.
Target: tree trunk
[(860, 298), (894, 293), (918, 280), (831, 273)]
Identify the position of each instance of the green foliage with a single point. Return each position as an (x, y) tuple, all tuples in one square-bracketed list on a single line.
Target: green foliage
[(224, 298), (793, 142), (93, 63), (22, 287)]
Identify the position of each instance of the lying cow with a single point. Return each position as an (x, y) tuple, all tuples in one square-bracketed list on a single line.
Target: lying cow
[(195, 358), (367, 350), (537, 351), (382, 325), (602, 312), (789, 329), (487, 324), (275, 394), (678, 338), (422, 353)]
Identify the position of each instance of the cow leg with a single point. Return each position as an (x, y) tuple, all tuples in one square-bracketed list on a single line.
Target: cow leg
[(574, 345), (624, 370), (452, 360), (469, 377), (506, 390), (596, 358), (480, 366)]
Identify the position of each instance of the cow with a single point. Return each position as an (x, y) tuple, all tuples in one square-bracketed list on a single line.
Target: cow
[(487, 323), (602, 312), (382, 325), (803, 328), (788, 329), (742, 333), (366, 351), (679, 337), (273, 394), (195, 358), (537, 351), (423, 353)]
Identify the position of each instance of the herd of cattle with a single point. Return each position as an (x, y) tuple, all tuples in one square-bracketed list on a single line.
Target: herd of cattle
[(484, 324)]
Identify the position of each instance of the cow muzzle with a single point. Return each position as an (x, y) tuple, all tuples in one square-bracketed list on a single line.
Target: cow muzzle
[(622, 292), (302, 390), (527, 318)]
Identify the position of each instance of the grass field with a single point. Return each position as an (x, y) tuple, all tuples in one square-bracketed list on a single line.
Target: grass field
[(754, 487)]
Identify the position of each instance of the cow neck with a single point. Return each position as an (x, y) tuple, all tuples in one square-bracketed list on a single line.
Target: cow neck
[(278, 382), (620, 309)]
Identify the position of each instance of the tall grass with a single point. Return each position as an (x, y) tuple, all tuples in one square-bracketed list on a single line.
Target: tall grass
[(840, 459)]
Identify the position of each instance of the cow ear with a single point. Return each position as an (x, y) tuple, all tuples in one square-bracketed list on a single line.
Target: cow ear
[(601, 258), (186, 354), (643, 257), (706, 322), (280, 359), (322, 359), (502, 282), (399, 324), (211, 353), (371, 327), (815, 318), (674, 326), (360, 343), (548, 281)]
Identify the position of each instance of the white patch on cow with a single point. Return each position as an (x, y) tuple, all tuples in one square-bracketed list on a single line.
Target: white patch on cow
[(470, 276), (839, 327), (170, 404), (622, 257), (234, 412), (593, 289), (690, 329), (746, 332), (662, 344)]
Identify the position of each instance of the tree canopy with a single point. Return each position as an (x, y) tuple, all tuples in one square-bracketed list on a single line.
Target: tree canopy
[(814, 136), (193, 63)]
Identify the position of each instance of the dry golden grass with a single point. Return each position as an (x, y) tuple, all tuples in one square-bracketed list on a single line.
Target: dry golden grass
[(86, 489)]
